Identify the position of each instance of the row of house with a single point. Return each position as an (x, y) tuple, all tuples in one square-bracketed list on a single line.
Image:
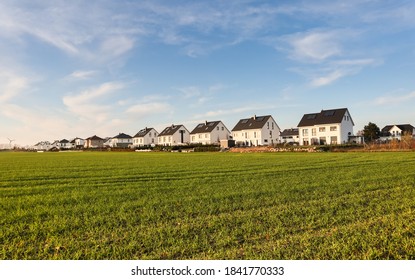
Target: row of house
[(328, 127)]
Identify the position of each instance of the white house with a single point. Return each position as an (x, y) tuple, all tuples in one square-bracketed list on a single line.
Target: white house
[(174, 135), (61, 144), (209, 133), (77, 143), (43, 146), (290, 136), (256, 131), (145, 137), (395, 131), (328, 127), (121, 140)]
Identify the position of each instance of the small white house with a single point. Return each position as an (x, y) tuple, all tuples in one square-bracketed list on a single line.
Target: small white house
[(209, 133), (395, 131), (43, 146), (121, 140), (145, 137), (290, 136), (174, 135), (329, 127), (256, 131), (77, 143)]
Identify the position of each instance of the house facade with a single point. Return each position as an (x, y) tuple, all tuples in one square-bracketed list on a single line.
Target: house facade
[(290, 136), (94, 142), (121, 140), (174, 135), (329, 127), (209, 133), (395, 131), (256, 131), (145, 137)]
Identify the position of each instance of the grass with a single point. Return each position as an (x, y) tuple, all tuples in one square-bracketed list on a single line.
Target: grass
[(207, 206)]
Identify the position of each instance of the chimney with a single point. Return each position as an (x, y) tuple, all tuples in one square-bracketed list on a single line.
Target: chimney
[(254, 117), (205, 122)]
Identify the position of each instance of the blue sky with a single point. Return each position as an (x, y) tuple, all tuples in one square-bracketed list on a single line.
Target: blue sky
[(78, 68)]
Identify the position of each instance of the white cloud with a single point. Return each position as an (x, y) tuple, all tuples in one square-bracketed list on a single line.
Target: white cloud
[(394, 100), (88, 104), (11, 85), (149, 108), (81, 75), (314, 45), (117, 45), (328, 79)]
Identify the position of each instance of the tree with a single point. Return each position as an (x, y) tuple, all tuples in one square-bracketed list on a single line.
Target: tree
[(371, 132)]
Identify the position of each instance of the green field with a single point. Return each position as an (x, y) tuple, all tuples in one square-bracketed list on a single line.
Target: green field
[(207, 205)]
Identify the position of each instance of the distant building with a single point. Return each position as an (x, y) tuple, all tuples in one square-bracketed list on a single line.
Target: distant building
[(328, 127), (290, 136), (145, 137), (209, 133), (174, 135), (395, 131), (256, 131), (94, 142), (121, 140)]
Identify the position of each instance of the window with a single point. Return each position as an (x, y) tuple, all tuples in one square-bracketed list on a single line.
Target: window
[(149, 134), (333, 140), (333, 128), (206, 136), (200, 136), (272, 125), (254, 134), (329, 113), (217, 128), (323, 141), (246, 134), (267, 125), (193, 138), (311, 116), (305, 132), (322, 129), (313, 132)]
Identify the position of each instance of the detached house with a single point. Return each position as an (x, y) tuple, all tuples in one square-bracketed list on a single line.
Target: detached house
[(94, 142), (290, 136), (209, 133), (328, 127), (145, 137), (395, 131), (174, 135), (121, 140), (256, 131)]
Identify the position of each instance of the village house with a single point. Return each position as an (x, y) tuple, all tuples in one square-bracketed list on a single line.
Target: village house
[(121, 140), (395, 131), (328, 127), (145, 137), (43, 146), (94, 142), (174, 135), (77, 143), (290, 136), (256, 131), (209, 133)]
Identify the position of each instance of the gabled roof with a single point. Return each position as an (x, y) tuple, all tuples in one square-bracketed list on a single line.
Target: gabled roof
[(94, 138), (64, 141), (170, 130), (122, 136), (331, 116), (403, 127), (205, 127), (290, 132), (143, 132), (254, 122)]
